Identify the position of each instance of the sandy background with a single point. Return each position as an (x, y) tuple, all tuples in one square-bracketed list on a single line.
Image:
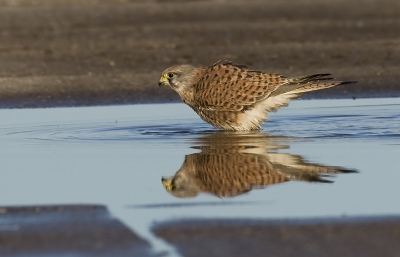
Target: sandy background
[(86, 52)]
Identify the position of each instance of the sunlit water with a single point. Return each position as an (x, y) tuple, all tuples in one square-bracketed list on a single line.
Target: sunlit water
[(116, 156)]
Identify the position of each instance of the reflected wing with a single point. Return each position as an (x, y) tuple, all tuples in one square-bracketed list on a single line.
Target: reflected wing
[(228, 175), (296, 168)]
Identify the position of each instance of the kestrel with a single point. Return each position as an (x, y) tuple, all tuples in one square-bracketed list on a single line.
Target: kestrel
[(232, 97), (233, 164)]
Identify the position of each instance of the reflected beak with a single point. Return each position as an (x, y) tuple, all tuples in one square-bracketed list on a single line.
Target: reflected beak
[(167, 183), (163, 81)]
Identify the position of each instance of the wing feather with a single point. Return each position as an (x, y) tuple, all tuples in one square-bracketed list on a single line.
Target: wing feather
[(226, 86)]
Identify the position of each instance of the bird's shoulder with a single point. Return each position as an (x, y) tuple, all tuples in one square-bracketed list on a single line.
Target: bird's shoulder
[(225, 73)]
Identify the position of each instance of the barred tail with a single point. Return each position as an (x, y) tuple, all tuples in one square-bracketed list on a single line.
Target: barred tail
[(309, 83)]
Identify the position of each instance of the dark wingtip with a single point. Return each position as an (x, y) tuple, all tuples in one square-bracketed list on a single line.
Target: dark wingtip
[(347, 82), (342, 170), (318, 75)]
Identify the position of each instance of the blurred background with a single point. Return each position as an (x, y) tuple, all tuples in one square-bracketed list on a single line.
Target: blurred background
[(102, 52)]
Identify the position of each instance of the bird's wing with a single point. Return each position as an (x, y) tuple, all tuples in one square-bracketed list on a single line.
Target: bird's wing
[(226, 86), (229, 174), (298, 169)]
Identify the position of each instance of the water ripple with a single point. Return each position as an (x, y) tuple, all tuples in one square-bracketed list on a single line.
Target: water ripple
[(363, 122)]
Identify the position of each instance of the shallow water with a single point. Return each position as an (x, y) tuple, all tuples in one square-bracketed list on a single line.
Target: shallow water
[(117, 156)]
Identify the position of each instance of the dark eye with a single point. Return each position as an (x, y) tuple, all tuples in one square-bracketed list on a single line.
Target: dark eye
[(170, 75)]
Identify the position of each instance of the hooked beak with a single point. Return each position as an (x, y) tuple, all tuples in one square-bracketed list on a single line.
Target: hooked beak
[(163, 81)]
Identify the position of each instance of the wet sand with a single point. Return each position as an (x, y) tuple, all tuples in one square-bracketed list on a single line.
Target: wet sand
[(355, 236), (77, 53), (66, 230), (82, 52)]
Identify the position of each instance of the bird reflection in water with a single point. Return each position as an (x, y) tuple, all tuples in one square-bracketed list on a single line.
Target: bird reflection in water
[(233, 163)]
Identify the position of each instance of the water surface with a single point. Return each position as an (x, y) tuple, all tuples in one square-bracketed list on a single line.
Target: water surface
[(117, 156)]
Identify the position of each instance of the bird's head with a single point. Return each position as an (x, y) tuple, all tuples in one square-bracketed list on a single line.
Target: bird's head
[(178, 77), (178, 187)]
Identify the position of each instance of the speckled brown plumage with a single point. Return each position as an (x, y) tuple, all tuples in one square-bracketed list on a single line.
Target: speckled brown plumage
[(232, 174), (232, 97), (230, 165)]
